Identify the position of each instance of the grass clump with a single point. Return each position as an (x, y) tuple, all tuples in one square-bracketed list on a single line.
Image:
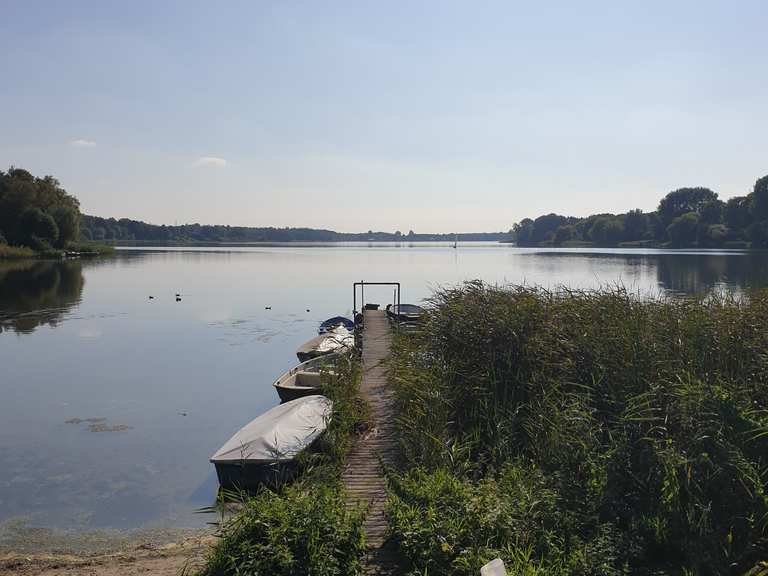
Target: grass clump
[(304, 526), (90, 248), (15, 252), (304, 529), (638, 426)]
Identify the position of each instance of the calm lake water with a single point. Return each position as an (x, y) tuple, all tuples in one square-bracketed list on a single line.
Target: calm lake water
[(112, 402)]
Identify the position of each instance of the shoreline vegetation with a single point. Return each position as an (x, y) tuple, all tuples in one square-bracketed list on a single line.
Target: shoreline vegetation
[(124, 230), (685, 218), (39, 219), (583, 432)]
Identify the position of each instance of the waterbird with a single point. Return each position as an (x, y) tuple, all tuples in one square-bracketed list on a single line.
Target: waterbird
[(267, 307), (178, 298), (151, 297), (307, 309)]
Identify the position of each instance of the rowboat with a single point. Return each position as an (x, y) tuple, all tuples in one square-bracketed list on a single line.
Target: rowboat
[(335, 340), (332, 323), (265, 449), (306, 379), (404, 312)]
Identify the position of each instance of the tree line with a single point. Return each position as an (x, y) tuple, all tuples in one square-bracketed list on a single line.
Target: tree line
[(36, 212), (685, 217), (126, 230)]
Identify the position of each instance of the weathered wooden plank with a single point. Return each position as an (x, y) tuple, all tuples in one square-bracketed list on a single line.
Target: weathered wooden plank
[(363, 475)]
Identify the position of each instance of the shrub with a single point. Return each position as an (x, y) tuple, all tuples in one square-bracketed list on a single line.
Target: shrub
[(306, 529)]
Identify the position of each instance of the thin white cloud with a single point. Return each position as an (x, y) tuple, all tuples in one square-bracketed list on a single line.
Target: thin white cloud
[(211, 161), (81, 143)]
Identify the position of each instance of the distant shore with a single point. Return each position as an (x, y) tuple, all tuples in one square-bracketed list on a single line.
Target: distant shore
[(81, 249)]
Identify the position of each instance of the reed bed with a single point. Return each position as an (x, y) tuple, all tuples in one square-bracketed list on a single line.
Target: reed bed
[(583, 432)]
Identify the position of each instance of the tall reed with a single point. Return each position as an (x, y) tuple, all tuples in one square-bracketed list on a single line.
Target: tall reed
[(646, 416)]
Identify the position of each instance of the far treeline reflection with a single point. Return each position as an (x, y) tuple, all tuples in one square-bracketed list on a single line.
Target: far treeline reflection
[(35, 293)]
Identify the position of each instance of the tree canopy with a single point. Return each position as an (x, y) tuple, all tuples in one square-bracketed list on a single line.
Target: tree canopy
[(36, 212), (685, 217)]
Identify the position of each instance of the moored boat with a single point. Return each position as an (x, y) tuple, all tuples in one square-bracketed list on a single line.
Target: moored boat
[(332, 323), (335, 340), (266, 448), (306, 379), (405, 312)]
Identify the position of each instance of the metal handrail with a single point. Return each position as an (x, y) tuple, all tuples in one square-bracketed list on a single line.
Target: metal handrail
[(363, 284)]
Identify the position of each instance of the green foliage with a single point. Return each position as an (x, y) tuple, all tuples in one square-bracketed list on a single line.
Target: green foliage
[(90, 248), (737, 215), (682, 230), (125, 230), (15, 252), (606, 231), (647, 420), (304, 529), (563, 234), (447, 525), (684, 200), (39, 229), (36, 212), (717, 223), (759, 199), (523, 231)]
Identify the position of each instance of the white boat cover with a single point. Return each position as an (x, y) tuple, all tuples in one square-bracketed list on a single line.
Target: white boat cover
[(339, 337), (279, 434)]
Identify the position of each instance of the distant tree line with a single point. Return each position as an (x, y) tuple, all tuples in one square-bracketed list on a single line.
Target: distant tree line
[(36, 212), (125, 230), (684, 218)]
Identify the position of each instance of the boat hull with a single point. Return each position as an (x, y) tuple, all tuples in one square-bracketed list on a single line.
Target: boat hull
[(249, 476)]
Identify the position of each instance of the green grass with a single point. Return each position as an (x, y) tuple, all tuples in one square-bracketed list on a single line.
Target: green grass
[(637, 426), (302, 527), (84, 248), (91, 248), (15, 252)]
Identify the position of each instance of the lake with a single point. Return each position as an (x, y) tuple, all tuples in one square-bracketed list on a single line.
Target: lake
[(113, 401)]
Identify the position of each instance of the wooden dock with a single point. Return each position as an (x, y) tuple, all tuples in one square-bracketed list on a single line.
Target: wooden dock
[(363, 475)]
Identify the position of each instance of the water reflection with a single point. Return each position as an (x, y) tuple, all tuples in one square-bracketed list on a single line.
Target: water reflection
[(701, 273), (35, 293), (165, 383)]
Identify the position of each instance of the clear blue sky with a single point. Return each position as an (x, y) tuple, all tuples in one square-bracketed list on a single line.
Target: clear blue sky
[(435, 116)]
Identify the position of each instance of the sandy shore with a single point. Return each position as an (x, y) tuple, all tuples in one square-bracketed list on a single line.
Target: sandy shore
[(36, 552)]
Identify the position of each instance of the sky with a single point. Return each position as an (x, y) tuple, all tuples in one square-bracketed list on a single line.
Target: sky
[(353, 115)]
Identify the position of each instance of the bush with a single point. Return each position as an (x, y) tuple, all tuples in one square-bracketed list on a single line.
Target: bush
[(40, 229), (15, 252), (446, 525), (647, 417), (307, 529)]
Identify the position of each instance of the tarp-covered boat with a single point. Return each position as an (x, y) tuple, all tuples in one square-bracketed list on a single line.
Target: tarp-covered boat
[(332, 323), (306, 379), (405, 312), (265, 448), (335, 340)]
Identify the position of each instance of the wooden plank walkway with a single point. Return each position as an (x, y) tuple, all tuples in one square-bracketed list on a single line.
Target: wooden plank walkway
[(363, 475)]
